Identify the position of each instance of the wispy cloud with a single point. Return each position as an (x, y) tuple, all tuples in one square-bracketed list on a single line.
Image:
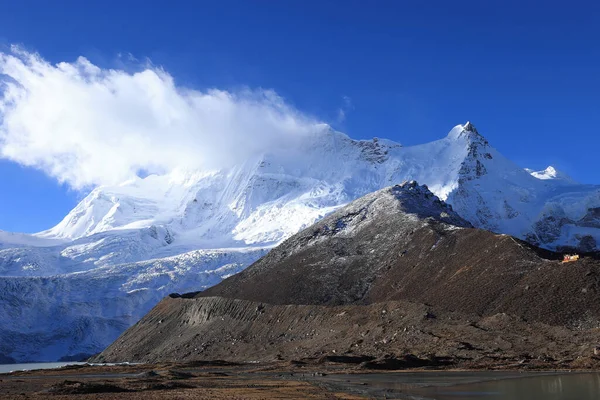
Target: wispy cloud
[(87, 126), (344, 109)]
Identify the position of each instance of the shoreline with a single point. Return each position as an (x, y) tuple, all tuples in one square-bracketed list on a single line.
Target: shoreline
[(250, 380)]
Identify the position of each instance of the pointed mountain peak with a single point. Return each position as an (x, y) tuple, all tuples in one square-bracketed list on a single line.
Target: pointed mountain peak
[(478, 151), (469, 127), (550, 173), (467, 131)]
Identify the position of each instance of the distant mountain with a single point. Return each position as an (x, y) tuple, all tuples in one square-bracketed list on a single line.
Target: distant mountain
[(265, 200), (396, 271), (550, 173), (167, 233)]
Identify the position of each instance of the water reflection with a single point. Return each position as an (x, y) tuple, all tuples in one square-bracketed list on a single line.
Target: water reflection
[(569, 386), (480, 385)]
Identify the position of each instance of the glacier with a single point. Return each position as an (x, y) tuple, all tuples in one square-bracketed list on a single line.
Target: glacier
[(69, 291)]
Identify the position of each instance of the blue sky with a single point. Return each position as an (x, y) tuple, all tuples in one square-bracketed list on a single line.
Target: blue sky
[(525, 73)]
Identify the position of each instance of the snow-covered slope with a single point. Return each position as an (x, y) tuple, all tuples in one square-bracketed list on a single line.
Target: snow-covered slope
[(78, 314), (266, 199), (81, 268)]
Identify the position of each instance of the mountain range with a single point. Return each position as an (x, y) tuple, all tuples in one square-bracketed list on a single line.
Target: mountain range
[(71, 290)]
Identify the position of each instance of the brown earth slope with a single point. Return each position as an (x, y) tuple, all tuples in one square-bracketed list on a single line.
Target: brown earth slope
[(392, 273), (401, 243), (379, 335)]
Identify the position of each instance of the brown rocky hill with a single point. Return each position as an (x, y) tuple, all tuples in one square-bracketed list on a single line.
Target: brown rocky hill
[(403, 243), (394, 271)]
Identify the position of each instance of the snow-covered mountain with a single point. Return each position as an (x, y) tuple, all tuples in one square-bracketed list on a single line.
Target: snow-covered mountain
[(550, 173), (75, 287)]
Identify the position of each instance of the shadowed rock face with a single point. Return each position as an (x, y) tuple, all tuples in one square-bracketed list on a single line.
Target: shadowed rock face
[(398, 249)]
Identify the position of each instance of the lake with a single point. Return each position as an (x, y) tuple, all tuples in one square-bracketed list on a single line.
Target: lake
[(482, 385), (29, 366), (570, 386)]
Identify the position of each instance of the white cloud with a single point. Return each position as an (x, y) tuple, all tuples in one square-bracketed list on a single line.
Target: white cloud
[(343, 110), (89, 126)]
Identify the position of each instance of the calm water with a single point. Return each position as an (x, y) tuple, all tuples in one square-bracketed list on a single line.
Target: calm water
[(573, 386), (25, 367), (490, 385)]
